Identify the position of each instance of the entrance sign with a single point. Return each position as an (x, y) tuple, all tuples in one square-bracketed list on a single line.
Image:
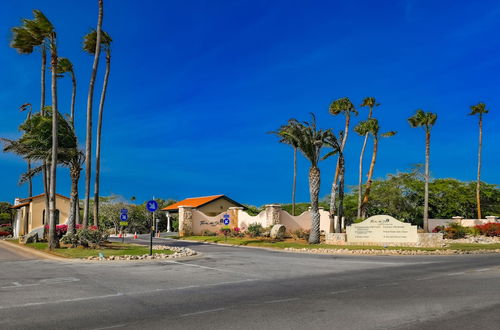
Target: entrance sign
[(124, 217), (382, 229), (226, 221), (152, 206)]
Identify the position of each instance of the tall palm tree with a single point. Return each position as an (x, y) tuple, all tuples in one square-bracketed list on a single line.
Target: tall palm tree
[(310, 141), (35, 33), (24, 107), (90, 98), (370, 126), (287, 136), (425, 120), (90, 41), (340, 106), (371, 103), (479, 109), (65, 66)]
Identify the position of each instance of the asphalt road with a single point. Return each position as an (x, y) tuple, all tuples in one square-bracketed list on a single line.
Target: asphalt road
[(244, 288)]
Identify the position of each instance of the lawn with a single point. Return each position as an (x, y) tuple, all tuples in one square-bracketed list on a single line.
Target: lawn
[(109, 249), (266, 242)]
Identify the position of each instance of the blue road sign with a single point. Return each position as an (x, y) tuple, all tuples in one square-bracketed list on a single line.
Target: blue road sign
[(226, 216), (124, 211), (226, 221), (152, 206), (123, 217)]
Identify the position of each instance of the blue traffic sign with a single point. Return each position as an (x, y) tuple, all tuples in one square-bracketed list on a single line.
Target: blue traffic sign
[(123, 217), (226, 221), (152, 206), (226, 216), (124, 211)]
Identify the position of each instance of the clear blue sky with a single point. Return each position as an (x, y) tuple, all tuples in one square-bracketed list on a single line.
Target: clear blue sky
[(195, 86)]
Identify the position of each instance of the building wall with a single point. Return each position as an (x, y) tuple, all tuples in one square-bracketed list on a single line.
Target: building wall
[(216, 207)]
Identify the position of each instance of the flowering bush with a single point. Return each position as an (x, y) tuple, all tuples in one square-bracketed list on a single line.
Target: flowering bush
[(455, 231), (438, 229), (236, 232), (5, 230), (62, 229), (255, 229), (225, 231), (89, 237), (489, 229)]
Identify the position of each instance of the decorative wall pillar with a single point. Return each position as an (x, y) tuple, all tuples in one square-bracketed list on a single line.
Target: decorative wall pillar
[(273, 214), (185, 221), (233, 216)]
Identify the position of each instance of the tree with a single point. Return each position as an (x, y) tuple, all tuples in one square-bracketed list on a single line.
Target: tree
[(65, 66), (370, 126), (310, 141), (340, 106), (88, 141), (369, 102), (479, 109), (24, 107), (427, 121), (35, 33), (89, 45), (287, 136)]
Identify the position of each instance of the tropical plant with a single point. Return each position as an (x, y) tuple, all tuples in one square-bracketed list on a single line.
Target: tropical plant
[(371, 103), (90, 98), (340, 106), (254, 229), (289, 139), (89, 45), (370, 126), (479, 109), (65, 66), (310, 141), (427, 121)]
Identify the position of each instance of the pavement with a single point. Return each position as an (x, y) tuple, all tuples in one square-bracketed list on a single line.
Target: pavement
[(248, 288)]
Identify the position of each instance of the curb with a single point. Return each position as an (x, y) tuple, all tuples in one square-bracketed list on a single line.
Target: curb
[(33, 252)]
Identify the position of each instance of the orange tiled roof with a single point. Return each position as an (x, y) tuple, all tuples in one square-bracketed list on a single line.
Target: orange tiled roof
[(193, 202), (18, 206), (38, 196)]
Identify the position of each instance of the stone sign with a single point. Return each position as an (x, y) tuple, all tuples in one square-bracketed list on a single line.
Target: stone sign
[(382, 229)]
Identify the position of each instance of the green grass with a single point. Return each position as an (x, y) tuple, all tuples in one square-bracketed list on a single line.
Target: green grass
[(266, 242), (110, 249)]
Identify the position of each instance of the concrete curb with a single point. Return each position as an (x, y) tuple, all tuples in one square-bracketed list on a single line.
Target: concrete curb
[(33, 252)]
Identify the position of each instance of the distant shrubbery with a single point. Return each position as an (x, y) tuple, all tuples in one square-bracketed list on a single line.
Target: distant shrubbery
[(88, 238), (455, 230)]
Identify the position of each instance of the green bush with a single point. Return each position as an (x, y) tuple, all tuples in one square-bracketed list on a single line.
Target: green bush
[(70, 239), (255, 229), (455, 231), (208, 233), (91, 238), (300, 234)]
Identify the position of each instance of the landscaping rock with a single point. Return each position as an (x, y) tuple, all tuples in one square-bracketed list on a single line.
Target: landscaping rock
[(179, 253), (278, 231), (30, 238)]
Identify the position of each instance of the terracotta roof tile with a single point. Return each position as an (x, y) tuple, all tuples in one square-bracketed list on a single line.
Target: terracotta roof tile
[(193, 202)]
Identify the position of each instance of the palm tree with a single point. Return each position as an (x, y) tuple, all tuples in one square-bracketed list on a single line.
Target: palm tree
[(370, 126), (89, 45), (24, 107), (90, 98), (310, 141), (64, 65), (369, 102), (34, 33), (425, 120), (479, 109), (287, 136), (340, 106)]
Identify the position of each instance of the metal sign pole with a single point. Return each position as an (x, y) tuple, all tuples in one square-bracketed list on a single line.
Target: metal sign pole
[(151, 235)]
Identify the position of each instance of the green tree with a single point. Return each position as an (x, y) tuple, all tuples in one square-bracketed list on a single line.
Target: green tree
[(370, 126), (340, 106), (479, 109), (90, 98), (427, 121), (310, 141), (65, 66), (371, 103)]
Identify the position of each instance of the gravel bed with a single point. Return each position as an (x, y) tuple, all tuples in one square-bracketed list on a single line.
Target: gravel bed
[(179, 252), (389, 252)]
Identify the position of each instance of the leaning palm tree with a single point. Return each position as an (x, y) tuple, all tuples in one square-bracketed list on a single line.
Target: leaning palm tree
[(371, 103), (64, 65), (24, 107), (340, 106), (425, 120), (89, 45), (287, 136), (310, 141), (479, 109), (90, 98), (35, 33), (370, 126)]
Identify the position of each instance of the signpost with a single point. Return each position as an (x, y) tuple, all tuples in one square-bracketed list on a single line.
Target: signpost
[(123, 221), (226, 219), (152, 206)]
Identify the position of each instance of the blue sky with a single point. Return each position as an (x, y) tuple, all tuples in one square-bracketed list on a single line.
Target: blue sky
[(195, 86)]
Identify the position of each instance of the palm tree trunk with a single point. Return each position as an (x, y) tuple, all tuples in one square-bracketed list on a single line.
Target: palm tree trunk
[(294, 185), (366, 196), (90, 98), (42, 111), (98, 143), (340, 213), (44, 65), (426, 193), (360, 176), (333, 193), (478, 185), (314, 184), (73, 97), (74, 203), (53, 242), (30, 182)]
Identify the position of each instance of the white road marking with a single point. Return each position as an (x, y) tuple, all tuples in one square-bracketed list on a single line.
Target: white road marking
[(482, 270), (454, 274), (191, 287), (62, 301), (280, 300), (342, 291), (111, 326), (387, 284), (203, 312), (211, 268), (55, 280)]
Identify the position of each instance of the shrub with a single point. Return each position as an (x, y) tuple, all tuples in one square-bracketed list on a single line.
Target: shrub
[(438, 229), (455, 231), (70, 239), (489, 229), (91, 238), (236, 232), (300, 234), (62, 229), (225, 231), (208, 233), (255, 229)]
